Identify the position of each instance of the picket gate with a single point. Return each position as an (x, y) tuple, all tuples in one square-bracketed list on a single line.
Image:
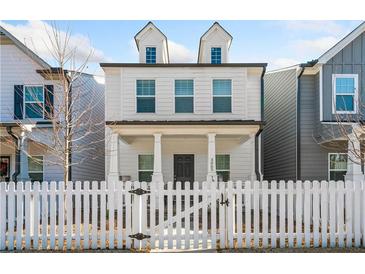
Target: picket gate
[(181, 216)]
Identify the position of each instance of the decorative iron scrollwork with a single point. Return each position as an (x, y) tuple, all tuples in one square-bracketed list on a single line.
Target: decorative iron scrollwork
[(139, 191), (139, 236), (226, 202)]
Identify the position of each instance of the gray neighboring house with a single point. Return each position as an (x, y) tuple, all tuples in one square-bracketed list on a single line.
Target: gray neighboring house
[(301, 140), (23, 131)]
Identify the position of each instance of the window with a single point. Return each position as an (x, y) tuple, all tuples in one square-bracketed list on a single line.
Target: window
[(145, 96), (337, 166), (150, 55), (216, 55), (222, 163), (35, 167), (184, 96), (345, 93), (145, 168), (33, 102), (222, 90)]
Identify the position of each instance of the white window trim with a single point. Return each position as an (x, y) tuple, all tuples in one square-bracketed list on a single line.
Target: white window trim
[(144, 96), (212, 97), (145, 54), (174, 101), (356, 94), (142, 170), (329, 163), (210, 53), (29, 102), (229, 170)]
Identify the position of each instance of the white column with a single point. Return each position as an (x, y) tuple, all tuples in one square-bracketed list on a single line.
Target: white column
[(114, 158), (354, 172), (212, 173), (24, 170), (157, 159)]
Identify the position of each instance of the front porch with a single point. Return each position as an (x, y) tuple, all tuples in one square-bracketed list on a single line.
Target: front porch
[(183, 152)]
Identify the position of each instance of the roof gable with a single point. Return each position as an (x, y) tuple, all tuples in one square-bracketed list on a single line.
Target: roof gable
[(145, 30)]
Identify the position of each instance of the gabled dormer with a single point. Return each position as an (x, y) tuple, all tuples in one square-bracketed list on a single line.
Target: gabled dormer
[(152, 45), (214, 45)]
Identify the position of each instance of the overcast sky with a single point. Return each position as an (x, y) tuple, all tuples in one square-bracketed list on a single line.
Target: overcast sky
[(279, 43)]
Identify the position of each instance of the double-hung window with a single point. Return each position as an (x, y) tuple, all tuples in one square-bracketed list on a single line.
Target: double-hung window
[(145, 96), (337, 166), (223, 167), (216, 55), (33, 102), (35, 167), (150, 55), (145, 168), (222, 95), (184, 96), (345, 87)]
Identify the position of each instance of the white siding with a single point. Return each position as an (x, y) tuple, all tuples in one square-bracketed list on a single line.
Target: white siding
[(121, 92), (241, 157)]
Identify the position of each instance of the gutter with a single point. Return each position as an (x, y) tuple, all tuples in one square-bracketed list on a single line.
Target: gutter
[(262, 93), (298, 173), (257, 158), (9, 129)]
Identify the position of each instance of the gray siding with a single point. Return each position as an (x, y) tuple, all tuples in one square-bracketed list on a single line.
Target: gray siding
[(280, 130), (349, 60)]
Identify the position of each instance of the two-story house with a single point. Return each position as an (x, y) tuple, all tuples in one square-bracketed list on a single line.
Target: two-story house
[(26, 92), (311, 110), (183, 121)]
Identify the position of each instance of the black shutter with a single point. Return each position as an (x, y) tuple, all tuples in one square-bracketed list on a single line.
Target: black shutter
[(18, 102), (49, 101)]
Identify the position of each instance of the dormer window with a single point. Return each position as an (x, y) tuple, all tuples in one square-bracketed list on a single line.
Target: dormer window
[(216, 55), (150, 55)]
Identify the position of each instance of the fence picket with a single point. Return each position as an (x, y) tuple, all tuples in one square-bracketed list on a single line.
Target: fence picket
[(363, 213), (128, 214), (169, 214), (103, 215), (230, 207), (153, 215), (144, 215), (19, 214), (349, 211), (61, 215), (204, 215), (36, 202), (222, 219), (340, 212), (52, 215), (27, 206), (94, 216), (307, 211), (282, 213), (239, 213), (248, 213), (196, 214), (78, 215), (111, 191), (87, 214), (178, 214), (324, 212), (299, 213), (69, 215), (187, 215), (119, 197), (256, 212), (290, 210), (136, 215), (273, 213), (161, 214), (316, 211), (2, 216), (213, 213), (44, 214), (11, 215), (357, 213), (332, 210), (265, 214)]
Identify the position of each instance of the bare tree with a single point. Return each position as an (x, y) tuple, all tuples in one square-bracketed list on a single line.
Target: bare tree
[(75, 130)]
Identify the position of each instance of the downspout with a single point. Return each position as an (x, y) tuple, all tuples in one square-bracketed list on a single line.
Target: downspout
[(298, 173), (17, 153), (257, 158), (70, 154)]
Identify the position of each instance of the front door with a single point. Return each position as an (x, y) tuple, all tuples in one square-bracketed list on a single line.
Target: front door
[(184, 168)]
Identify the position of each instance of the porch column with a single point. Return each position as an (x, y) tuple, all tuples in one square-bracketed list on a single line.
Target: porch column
[(212, 173), (354, 172), (24, 170), (157, 159), (114, 158)]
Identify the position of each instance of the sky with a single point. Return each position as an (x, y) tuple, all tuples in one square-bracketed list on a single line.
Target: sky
[(278, 43)]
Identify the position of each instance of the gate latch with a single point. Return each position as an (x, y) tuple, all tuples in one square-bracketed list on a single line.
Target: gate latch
[(139, 191), (226, 202), (139, 236)]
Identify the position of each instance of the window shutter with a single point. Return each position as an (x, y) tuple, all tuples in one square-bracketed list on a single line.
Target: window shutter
[(49, 102), (18, 102)]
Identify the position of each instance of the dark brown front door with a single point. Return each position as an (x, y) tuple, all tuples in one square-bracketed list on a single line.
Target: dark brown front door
[(184, 168)]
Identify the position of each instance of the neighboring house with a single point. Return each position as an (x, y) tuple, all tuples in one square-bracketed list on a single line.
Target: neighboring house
[(183, 121), (21, 78), (305, 108)]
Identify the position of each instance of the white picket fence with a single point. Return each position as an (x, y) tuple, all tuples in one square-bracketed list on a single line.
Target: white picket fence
[(100, 215)]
